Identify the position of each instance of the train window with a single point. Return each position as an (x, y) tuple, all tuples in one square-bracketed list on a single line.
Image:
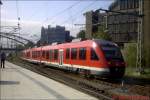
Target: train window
[(67, 53), (47, 54), (42, 54), (28, 54), (94, 55), (51, 54), (74, 53), (112, 53), (55, 54), (33, 54), (82, 53), (38, 53)]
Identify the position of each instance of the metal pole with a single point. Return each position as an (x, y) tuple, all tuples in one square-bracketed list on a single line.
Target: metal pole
[(106, 20), (0, 34), (139, 65), (0, 24)]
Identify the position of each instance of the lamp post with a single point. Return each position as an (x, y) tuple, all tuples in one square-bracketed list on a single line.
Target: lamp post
[(0, 24)]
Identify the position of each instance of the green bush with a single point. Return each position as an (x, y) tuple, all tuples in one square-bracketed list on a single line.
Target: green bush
[(129, 53)]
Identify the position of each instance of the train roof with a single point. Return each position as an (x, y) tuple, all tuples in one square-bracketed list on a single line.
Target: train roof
[(104, 42), (70, 44), (84, 43)]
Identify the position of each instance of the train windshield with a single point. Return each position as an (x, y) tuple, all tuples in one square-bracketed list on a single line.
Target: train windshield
[(112, 53)]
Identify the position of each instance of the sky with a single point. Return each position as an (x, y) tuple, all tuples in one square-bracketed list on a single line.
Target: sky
[(37, 13)]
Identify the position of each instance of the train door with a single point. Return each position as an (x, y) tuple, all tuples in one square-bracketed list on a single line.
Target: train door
[(61, 57)]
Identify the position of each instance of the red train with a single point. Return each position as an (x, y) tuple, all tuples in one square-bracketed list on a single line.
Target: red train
[(93, 57)]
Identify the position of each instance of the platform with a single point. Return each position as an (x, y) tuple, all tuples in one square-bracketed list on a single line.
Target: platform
[(17, 83)]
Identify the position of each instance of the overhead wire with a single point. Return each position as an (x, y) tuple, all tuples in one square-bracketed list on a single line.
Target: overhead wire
[(77, 14), (61, 12)]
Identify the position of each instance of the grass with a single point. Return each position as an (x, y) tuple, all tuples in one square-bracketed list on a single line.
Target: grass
[(132, 72), (129, 53)]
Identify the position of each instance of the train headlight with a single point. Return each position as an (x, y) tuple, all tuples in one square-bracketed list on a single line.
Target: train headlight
[(94, 45)]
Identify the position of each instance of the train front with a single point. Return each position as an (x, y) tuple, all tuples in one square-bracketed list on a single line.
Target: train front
[(113, 57)]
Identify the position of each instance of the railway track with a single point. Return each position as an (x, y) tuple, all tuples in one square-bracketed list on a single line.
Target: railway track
[(95, 87)]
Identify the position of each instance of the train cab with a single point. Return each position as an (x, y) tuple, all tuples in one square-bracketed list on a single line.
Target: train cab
[(113, 57)]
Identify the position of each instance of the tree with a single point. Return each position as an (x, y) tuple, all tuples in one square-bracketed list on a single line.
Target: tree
[(129, 53), (19, 46), (29, 44), (102, 33), (38, 43), (71, 38), (81, 34), (99, 35)]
